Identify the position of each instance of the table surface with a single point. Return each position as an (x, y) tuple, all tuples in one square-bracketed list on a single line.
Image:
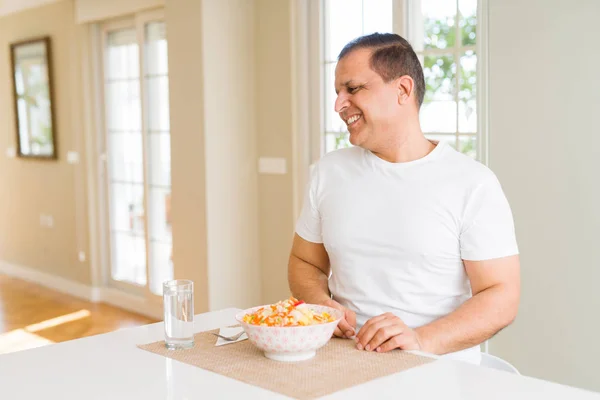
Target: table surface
[(110, 366)]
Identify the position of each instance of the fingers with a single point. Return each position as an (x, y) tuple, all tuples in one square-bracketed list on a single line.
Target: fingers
[(346, 328), (383, 335), (377, 332), (397, 342), (347, 325), (351, 318), (368, 326), (338, 333)]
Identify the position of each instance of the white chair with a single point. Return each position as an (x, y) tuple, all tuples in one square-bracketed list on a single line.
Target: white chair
[(490, 361)]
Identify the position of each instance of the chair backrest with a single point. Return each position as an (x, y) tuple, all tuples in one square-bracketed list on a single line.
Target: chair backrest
[(490, 361)]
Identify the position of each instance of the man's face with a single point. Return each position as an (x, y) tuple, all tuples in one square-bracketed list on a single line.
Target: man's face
[(367, 105)]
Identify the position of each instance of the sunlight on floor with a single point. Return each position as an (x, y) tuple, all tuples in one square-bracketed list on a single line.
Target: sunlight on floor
[(19, 339), (22, 339), (63, 319)]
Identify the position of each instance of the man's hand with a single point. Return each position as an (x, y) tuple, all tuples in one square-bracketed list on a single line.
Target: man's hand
[(347, 326), (387, 332)]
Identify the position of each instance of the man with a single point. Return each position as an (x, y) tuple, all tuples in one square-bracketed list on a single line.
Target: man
[(412, 240)]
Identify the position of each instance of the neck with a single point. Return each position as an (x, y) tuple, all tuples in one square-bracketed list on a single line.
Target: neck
[(407, 145)]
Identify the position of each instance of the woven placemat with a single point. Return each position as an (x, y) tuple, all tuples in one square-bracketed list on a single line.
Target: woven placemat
[(338, 365)]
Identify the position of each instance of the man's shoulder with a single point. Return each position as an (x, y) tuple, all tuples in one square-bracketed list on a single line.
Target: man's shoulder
[(340, 157), (466, 168)]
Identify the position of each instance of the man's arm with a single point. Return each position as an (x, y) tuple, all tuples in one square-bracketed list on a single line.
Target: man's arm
[(308, 271), (495, 285), (308, 277)]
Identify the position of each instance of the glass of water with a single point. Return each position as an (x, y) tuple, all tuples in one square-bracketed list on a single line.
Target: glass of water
[(178, 301)]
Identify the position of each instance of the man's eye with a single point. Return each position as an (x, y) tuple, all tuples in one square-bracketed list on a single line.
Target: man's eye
[(352, 90)]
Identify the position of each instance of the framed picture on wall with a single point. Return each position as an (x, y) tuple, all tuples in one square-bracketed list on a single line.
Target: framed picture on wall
[(31, 62)]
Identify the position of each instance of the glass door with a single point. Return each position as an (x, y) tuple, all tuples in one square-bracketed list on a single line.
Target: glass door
[(137, 153)]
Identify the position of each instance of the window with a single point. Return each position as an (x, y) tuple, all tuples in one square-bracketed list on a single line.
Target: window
[(138, 151), (443, 34), (345, 20)]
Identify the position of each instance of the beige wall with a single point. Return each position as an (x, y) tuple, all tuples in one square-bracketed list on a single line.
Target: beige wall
[(232, 228), (274, 129), (188, 149), (234, 272), (14, 6), (29, 188), (544, 103), (94, 10)]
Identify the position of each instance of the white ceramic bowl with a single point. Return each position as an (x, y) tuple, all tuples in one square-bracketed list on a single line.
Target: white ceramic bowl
[(290, 343)]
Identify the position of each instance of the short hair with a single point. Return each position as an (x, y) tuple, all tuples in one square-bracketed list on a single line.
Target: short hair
[(392, 58)]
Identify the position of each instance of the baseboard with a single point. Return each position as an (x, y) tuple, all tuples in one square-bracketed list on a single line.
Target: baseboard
[(117, 298), (131, 302), (50, 281)]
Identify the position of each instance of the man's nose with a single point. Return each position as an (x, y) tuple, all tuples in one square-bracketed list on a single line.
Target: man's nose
[(341, 102)]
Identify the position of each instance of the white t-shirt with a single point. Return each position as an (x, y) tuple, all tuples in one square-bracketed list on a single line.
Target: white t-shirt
[(396, 233)]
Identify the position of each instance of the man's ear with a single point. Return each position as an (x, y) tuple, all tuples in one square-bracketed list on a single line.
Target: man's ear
[(405, 85)]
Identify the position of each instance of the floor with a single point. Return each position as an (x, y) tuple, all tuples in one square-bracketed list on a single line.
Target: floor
[(33, 316)]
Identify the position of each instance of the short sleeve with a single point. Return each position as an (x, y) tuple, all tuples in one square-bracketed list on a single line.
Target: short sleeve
[(308, 225), (487, 229)]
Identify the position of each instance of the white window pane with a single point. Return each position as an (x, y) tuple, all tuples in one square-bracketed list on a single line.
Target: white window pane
[(156, 49), (160, 214), (127, 208), (122, 60), (468, 145), (121, 37), (129, 258), (343, 24), (125, 157), (439, 22), (438, 9), (23, 125), (467, 8), (377, 16), (467, 106), (330, 140), (468, 21), (438, 116), (158, 103), (440, 77), (336, 140), (123, 107), (162, 266), (467, 116), (333, 122), (160, 159), (159, 155), (449, 139)]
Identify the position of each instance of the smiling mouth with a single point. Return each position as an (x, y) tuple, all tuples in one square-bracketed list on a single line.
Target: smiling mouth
[(353, 119)]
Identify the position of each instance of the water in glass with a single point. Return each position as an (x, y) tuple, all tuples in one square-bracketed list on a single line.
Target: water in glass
[(178, 299)]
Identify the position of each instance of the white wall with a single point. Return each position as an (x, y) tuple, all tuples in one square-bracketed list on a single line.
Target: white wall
[(234, 274), (545, 147)]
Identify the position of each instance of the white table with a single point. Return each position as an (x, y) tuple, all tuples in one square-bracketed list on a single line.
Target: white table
[(110, 366)]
